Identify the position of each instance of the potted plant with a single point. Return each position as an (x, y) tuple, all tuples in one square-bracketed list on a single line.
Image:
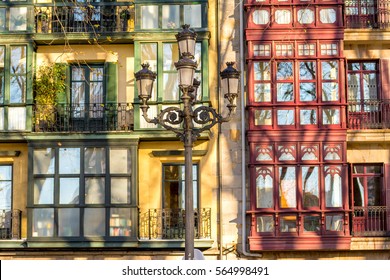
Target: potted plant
[(125, 16), (49, 82)]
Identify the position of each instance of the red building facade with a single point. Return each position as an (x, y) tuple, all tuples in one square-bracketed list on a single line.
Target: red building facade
[(297, 125)]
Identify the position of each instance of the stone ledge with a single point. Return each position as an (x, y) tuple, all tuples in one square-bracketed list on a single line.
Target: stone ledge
[(370, 243)]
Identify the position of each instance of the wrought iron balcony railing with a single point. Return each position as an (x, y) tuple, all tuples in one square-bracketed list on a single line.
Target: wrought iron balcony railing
[(367, 14), (370, 221), (83, 118), (99, 17), (10, 224), (170, 224), (369, 114)]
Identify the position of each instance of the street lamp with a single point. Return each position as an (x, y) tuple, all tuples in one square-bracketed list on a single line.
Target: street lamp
[(172, 117)]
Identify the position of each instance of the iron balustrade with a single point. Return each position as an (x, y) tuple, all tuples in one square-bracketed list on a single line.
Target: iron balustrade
[(369, 114), (99, 17), (10, 224), (83, 118), (367, 14), (170, 224), (370, 221)]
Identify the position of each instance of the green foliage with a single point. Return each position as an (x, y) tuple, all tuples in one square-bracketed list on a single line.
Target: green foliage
[(49, 82)]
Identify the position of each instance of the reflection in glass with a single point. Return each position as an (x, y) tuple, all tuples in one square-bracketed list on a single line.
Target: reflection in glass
[(260, 16), (149, 17), (262, 71), (328, 15), (284, 71), (264, 187), (94, 222), (308, 117), (307, 92), (69, 160), (43, 161), (265, 224), (310, 183), (330, 116), (120, 190), (305, 16), (149, 55), (287, 187), (307, 70), (44, 191), (69, 190), (5, 187), (282, 16), (286, 117), (170, 16), (334, 222), (68, 222), (333, 187), (94, 190), (18, 74), (2, 19), (94, 160), (18, 18), (311, 224), (189, 18), (120, 161), (263, 117), (330, 70), (330, 91), (288, 223), (262, 92), (42, 222), (285, 92)]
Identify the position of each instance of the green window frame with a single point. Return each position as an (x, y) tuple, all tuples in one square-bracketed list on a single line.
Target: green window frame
[(168, 16), (83, 192)]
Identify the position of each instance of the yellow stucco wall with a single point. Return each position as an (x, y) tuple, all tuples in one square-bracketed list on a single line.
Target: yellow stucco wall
[(123, 55), (19, 176)]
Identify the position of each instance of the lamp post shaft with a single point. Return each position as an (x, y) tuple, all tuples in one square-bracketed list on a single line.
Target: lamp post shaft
[(188, 199)]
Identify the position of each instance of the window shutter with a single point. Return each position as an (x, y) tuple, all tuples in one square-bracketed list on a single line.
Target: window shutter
[(111, 80), (387, 187), (385, 78), (62, 96)]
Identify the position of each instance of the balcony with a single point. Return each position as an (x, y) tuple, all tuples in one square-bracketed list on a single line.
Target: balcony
[(369, 114), (83, 118), (367, 14), (73, 17), (10, 224), (370, 221), (170, 224)]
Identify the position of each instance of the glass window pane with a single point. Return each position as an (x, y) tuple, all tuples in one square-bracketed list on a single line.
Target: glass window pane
[(120, 190), (286, 117), (330, 116), (305, 16), (288, 224), (262, 71), (18, 60), (328, 15), (68, 222), (287, 187), (311, 224), (44, 191), (189, 18), (330, 92), (264, 188), (330, 70), (334, 222), (262, 93), (69, 160), (370, 90), (171, 87), (284, 71), (307, 70), (94, 222), (282, 16), (94, 190), (5, 187), (260, 16), (265, 224), (307, 92), (94, 160), (171, 55), (18, 19), (2, 19), (310, 183), (43, 222), (44, 160), (120, 222), (149, 17), (69, 190), (17, 118), (263, 117), (358, 192), (170, 16), (2, 57), (333, 186), (120, 161), (149, 55), (354, 87), (308, 117), (17, 89), (374, 190), (285, 92)]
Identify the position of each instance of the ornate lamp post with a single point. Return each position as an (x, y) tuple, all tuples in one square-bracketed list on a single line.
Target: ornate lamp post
[(171, 117)]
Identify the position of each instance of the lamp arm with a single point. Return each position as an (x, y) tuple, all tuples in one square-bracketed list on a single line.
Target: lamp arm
[(208, 117)]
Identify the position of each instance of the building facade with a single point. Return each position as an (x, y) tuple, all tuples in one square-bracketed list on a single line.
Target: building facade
[(301, 170)]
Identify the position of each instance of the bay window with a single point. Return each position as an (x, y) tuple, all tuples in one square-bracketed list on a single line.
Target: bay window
[(82, 192)]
